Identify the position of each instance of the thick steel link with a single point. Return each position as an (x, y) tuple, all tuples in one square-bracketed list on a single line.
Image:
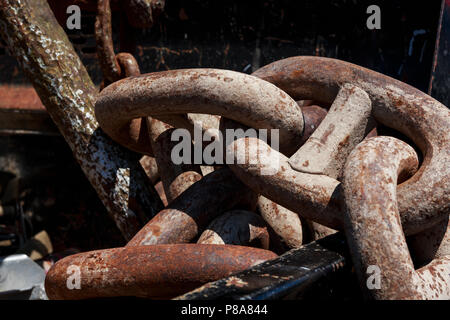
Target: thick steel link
[(175, 178), (158, 271), (286, 223), (105, 48), (142, 13), (423, 201), (312, 196), (241, 97), (190, 213), (114, 66), (345, 125), (128, 65), (164, 271), (373, 226)]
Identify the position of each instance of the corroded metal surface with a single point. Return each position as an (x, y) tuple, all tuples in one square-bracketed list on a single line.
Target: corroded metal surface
[(314, 197), (150, 167), (114, 67), (105, 48), (285, 223), (189, 214), (142, 13), (128, 65), (299, 182), (289, 276), (238, 227), (373, 227), (159, 271), (175, 178), (345, 125), (423, 200), (240, 97), (325, 152), (61, 81)]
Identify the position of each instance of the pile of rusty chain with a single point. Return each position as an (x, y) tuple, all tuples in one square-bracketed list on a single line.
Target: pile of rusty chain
[(333, 176), (337, 178)]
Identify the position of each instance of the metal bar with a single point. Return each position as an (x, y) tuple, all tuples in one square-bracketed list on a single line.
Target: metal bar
[(46, 55), (290, 275)]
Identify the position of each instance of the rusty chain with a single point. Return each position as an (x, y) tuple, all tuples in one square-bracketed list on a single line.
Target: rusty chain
[(179, 223), (423, 199), (114, 67), (308, 182), (373, 225), (326, 170)]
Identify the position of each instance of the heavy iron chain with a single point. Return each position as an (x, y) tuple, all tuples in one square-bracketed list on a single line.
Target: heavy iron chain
[(367, 205), (192, 259), (45, 54), (373, 226), (114, 67)]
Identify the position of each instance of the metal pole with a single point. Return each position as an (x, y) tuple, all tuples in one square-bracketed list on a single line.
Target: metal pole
[(47, 57)]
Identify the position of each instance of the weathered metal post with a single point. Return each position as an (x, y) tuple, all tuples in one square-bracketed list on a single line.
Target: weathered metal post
[(46, 55)]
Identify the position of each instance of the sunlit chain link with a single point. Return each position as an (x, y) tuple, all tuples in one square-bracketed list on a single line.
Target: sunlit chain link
[(373, 227), (308, 185)]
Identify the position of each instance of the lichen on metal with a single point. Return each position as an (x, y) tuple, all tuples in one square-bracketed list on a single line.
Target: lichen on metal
[(47, 57)]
